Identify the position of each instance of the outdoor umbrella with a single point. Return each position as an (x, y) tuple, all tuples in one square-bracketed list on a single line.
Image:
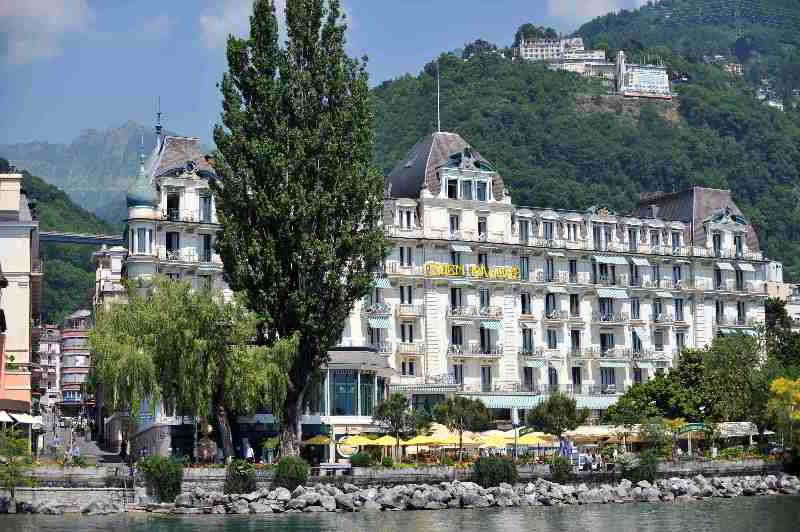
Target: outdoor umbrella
[(418, 440), (385, 441), (319, 439), (357, 441)]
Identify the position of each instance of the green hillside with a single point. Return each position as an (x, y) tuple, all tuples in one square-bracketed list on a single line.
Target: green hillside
[(68, 277), (552, 152)]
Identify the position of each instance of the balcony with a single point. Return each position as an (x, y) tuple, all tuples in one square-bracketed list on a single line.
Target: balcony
[(610, 353), (577, 353), (663, 318), (376, 309), (548, 353), (411, 348), (654, 355), (474, 351), (604, 389), (556, 316), (410, 311), (470, 312), (186, 216), (526, 315), (398, 231), (383, 348), (736, 322), (609, 318), (395, 268)]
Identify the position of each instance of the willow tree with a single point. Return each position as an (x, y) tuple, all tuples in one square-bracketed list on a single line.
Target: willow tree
[(190, 349), (298, 200)]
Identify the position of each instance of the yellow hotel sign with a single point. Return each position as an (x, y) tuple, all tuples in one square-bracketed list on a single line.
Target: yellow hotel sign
[(477, 271)]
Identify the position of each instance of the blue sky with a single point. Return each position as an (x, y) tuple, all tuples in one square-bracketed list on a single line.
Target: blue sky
[(69, 65)]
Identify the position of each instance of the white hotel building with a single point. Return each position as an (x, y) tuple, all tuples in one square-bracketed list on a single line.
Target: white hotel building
[(507, 304)]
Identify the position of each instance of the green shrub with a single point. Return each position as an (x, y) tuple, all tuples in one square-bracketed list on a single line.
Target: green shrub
[(361, 459), (291, 471), (163, 476), (643, 467), (240, 477), (560, 468), (730, 453), (448, 461), (492, 470), (387, 461)]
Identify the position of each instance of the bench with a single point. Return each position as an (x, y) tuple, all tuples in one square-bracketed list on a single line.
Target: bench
[(330, 469)]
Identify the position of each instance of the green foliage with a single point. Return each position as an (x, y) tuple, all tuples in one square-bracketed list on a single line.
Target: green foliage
[(240, 477), (491, 471), (655, 432), (291, 471), (301, 204), (448, 461), (395, 418), (361, 459), (642, 467), (732, 453), (659, 396), (462, 413), (163, 475), (387, 461), (15, 461), (560, 468), (557, 415)]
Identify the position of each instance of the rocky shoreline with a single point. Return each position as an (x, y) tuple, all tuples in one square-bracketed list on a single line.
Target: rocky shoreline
[(443, 495)]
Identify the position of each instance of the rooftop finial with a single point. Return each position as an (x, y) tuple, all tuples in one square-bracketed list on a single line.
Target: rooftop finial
[(158, 122), (141, 154), (438, 109)]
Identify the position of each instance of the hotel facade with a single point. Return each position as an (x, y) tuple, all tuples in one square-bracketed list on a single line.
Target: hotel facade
[(508, 304)]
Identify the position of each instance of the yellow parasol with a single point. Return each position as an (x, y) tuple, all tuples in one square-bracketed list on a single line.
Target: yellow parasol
[(385, 441), (418, 440), (356, 441), (452, 439), (495, 441), (533, 439), (319, 439)]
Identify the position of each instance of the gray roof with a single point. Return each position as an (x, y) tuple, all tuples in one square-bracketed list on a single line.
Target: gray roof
[(79, 314), (419, 169), (358, 358), (173, 155), (694, 206)]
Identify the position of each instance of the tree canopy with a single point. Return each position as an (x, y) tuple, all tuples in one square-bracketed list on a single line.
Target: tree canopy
[(558, 414), (461, 414)]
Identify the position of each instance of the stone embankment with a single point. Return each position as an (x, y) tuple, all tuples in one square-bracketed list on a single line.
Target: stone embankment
[(455, 494)]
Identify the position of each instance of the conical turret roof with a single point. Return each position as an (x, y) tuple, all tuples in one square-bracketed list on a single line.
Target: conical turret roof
[(141, 192)]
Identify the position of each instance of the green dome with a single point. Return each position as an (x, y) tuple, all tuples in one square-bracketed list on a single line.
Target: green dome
[(142, 193)]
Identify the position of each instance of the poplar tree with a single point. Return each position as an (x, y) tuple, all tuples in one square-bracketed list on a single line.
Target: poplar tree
[(297, 197)]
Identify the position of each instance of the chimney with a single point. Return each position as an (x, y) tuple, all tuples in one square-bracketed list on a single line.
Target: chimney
[(653, 210), (10, 188)]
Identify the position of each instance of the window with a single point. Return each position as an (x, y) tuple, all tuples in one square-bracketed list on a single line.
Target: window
[(406, 295), (206, 250), (527, 379), (552, 378), (524, 231), (452, 188), (483, 260), (525, 300), (486, 378), (739, 280), (485, 297), (456, 335), (141, 240), (633, 239), (205, 282), (549, 270), (577, 378), (575, 340), (406, 333), (406, 256), (550, 304), (606, 342), (637, 375), (173, 241), (676, 241), (658, 340), (205, 208), (482, 226), (406, 218), (635, 308), (547, 230), (408, 368), (454, 223), (173, 206), (608, 378), (174, 276), (606, 307), (375, 337), (552, 339), (720, 311), (679, 310), (573, 271), (455, 258), (572, 232), (481, 189), (658, 309), (466, 189), (574, 305), (716, 239), (527, 340), (717, 279), (657, 274), (487, 345), (655, 238), (680, 340), (740, 312), (677, 274), (455, 297), (597, 235), (738, 244), (343, 384), (636, 342), (524, 268), (608, 274), (458, 373), (634, 271)]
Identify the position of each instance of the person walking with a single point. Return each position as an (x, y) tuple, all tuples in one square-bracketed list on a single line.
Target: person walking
[(249, 454)]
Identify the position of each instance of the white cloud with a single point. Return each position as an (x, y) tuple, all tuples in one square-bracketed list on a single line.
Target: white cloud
[(34, 29), (158, 26), (585, 9)]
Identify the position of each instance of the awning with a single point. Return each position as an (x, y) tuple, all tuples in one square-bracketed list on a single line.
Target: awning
[(745, 266), (556, 290), (595, 403), (461, 248), (528, 324), (614, 293), (461, 322), (460, 282), (608, 259), (638, 261), (5, 418), (667, 295), (612, 364), (494, 325), (724, 266), (26, 419), (526, 402), (381, 282), (379, 323), (534, 363), (554, 254), (644, 365), (728, 331)]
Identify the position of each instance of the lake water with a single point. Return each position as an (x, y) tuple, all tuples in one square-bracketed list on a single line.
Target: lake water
[(764, 514)]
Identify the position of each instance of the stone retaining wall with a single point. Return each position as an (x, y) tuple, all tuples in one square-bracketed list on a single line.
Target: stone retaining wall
[(71, 498)]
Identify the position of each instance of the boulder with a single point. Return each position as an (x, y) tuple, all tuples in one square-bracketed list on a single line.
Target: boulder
[(667, 496), (315, 509), (371, 506), (328, 502), (251, 497), (771, 481), (239, 506), (185, 500), (183, 510), (217, 509), (49, 508), (621, 493), (626, 484), (282, 494), (312, 498), (417, 502), (455, 502), (651, 495), (349, 488), (298, 491), (368, 494), (259, 508), (434, 505), (345, 502), (643, 484), (296, 504), (474, 500)]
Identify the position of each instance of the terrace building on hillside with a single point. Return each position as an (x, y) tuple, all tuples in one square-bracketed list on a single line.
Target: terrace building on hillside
[(507, 304), (75, 363)]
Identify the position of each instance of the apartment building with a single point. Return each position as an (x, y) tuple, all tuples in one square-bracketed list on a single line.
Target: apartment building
[(75, 364), (47, 372), (20, 297), (549, 49), (508, 303)]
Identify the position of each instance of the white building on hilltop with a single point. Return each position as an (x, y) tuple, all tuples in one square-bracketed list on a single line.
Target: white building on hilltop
[(508, 304)]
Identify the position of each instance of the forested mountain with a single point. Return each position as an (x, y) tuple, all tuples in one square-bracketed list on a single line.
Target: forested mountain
[(68, 274), (551, 152), (95, 169)]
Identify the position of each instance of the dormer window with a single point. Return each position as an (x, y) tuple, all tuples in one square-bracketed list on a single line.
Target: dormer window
[(716, 239), (452, 188), (738, 244), (547, 230), (466, 189), (481, 191)]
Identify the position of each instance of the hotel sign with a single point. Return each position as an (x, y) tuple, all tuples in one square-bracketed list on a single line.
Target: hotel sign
[(476, 271)]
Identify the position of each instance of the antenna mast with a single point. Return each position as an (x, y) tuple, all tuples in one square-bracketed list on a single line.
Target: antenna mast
[(438, 108), (158, 122)]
